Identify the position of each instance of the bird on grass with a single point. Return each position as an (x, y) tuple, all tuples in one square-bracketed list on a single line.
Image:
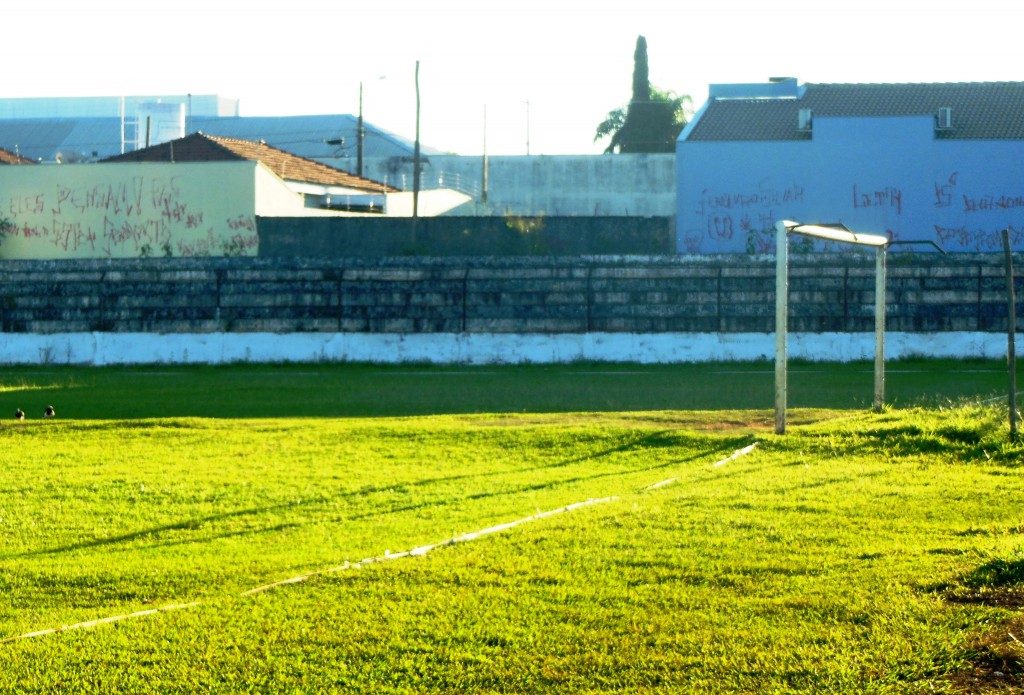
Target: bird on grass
[(19, 414), (49, 412)]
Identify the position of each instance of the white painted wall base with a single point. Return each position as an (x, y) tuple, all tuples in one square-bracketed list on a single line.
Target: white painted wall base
[(475, 348)]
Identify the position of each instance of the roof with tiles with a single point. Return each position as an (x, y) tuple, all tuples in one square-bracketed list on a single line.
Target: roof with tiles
[(8, 157), (200, 147), (980, 110)]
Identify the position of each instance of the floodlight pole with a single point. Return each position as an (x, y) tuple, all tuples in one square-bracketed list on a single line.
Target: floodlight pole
[(879, 329), (1011, 330), (841, 234), (781, 321)]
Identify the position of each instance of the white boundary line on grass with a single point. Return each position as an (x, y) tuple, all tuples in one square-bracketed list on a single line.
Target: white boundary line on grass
[(717, 464), (415, 552), (424, 549), (102, 621)]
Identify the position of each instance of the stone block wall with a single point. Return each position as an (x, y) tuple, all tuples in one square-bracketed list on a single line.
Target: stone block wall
[(547, 295)]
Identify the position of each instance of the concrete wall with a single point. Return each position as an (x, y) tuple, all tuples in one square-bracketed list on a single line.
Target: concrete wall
[(480, 310), (599, 294), (128, 210), (881, 175), (640, 185)]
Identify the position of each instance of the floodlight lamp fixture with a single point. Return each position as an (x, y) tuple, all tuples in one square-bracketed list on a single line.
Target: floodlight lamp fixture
[(835, 231)]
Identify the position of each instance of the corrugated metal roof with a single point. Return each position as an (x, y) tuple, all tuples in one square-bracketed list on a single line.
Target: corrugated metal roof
[(980, 110), (306, 136), (200, 147)]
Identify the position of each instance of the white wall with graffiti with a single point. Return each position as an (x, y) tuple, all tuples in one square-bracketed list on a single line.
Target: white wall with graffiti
[(121, 210)]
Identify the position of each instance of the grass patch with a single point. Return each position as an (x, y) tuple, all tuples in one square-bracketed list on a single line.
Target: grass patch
[(347, 390), (829, 560)]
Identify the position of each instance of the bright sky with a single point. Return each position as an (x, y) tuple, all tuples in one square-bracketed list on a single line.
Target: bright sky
[(547, 71)]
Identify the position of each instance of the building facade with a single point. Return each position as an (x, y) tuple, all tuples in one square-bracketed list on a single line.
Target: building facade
[(926, 164)]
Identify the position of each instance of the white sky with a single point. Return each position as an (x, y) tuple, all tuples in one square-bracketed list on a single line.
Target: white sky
[(571, 60)]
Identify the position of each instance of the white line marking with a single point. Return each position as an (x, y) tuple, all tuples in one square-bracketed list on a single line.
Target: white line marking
[(735, 455), (424, 549), (663, 483), (732, 457), (102, 621), (388, 555)]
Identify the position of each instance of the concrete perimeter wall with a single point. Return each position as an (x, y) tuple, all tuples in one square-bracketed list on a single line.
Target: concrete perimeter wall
[(631, 185), (476, 310)]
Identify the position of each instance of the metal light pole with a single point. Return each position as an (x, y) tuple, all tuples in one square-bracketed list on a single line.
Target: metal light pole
[(879, 329), (781, 321), (360, 135), (416, 152), (1011, 330), (361, 130), (484, 164), (527, 127)]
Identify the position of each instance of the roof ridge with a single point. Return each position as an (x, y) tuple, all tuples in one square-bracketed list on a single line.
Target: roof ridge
[(968, 83), (211, 139), (219, 140)]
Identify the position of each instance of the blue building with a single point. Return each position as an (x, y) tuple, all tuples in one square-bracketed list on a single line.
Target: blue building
[(940, 163)]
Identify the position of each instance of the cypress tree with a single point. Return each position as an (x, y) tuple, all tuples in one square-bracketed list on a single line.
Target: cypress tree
[(650, 124)]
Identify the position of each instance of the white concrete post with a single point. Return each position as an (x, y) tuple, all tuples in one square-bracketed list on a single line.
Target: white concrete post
[(879, 329), (781, 322)]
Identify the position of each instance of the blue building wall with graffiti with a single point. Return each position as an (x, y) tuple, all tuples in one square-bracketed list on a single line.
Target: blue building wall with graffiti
[(889, 175)]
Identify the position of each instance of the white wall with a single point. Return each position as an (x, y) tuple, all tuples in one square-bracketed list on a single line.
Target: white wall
[(641, 185), (124, 210), (466, 348)]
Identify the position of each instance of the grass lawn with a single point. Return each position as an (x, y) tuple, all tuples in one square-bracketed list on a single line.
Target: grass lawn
[(345, 390), (858, 553)]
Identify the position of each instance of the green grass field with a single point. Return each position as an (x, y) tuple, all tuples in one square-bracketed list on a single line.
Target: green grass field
[(858, 553)]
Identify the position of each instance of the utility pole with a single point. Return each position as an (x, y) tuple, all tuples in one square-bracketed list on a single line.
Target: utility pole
[(527, 127), (483, 182), (360, 134), (416, 152), (1011, 330)]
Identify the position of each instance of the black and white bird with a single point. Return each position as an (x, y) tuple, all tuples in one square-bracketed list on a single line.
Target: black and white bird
[(49, 412), (19, 414)]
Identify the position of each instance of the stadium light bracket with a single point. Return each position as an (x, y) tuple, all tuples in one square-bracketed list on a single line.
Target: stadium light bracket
[(829, 232)]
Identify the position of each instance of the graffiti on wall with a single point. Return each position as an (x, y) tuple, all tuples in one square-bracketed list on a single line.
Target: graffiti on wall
[(950, 212), (981, 233), (886, 197), (741, 219), (133, 216)]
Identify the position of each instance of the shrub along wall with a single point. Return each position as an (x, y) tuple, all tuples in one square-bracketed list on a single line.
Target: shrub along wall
[(728, 294)]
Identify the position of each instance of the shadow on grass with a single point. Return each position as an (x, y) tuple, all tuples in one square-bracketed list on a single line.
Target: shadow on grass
[(652, 440), (994, 658)]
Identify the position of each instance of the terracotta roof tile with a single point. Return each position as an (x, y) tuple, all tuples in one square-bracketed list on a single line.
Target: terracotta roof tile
[(8, 157), (199, 147)]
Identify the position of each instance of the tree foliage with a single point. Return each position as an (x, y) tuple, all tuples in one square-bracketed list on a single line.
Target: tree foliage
[(651, 121)]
